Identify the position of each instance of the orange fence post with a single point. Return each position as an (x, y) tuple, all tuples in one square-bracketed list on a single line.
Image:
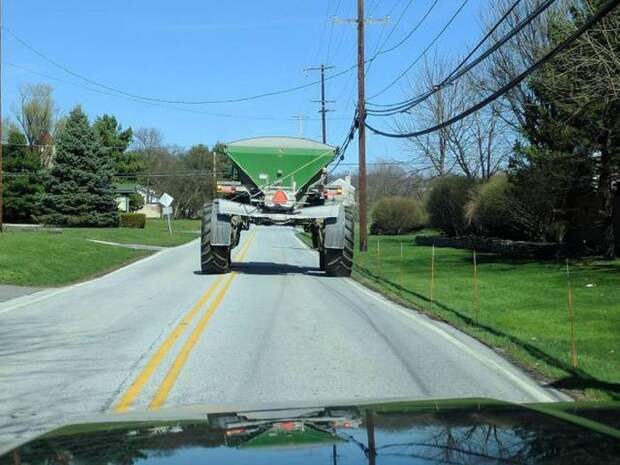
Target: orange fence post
[(402, 273), (432, 274), (571, 319), (378, 258), (476, 289)]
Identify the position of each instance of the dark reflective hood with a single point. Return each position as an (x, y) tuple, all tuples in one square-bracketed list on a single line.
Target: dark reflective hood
[(429, 432)]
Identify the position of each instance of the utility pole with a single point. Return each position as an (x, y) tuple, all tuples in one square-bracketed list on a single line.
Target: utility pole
[(361, 111), (361, 130), (300, 118), (323, 110)]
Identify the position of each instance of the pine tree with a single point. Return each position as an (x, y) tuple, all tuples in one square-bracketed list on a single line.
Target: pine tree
[(575, 114), (78, 188), (22, 181), (118, 140)]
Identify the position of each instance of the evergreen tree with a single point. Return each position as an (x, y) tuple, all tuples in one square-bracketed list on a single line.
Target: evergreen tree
[(116, 140), (574, 118), (22, 179), (78, 188)]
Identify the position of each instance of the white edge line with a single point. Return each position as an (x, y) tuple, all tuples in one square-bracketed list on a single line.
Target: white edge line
[(32, 298), (533, 389)]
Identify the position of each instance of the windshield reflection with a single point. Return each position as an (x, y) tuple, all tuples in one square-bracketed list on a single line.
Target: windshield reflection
[(381, 435)]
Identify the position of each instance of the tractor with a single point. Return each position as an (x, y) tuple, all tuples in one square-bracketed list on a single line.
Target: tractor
[(278, 181)]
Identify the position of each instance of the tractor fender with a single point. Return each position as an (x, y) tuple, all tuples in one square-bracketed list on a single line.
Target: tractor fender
[(335, 230), (220, 226)]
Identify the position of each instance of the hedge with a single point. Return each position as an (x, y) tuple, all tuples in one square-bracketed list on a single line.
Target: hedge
[(132, 220)]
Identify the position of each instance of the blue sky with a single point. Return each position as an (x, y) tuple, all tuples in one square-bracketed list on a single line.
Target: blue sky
[(203, 49)]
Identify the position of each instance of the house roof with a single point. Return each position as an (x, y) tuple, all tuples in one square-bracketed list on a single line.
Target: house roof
[(125, 188), (341, 182)]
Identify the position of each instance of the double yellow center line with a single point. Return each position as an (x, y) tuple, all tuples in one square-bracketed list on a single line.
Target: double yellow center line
[(130, 396)]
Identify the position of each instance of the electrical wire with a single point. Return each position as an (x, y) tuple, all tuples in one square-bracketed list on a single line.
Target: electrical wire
[(124, 175), (331, 33), (161, 105), (138, 97), (455, 74), (413, 31), (596, 17), (131, 148), (171, 101), (421, 55), (345, 144), (380, 44)]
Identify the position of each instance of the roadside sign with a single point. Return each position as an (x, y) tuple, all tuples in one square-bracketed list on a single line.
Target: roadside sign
[(166, 199)]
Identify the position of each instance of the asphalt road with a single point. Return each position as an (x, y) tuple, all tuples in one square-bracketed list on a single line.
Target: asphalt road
[(159, 334)]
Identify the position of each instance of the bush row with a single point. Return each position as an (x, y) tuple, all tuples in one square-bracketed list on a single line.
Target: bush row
[(460, 206)]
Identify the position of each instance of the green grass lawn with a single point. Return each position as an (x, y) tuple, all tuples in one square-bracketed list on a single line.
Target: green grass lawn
[(523, 306), (54, 259)]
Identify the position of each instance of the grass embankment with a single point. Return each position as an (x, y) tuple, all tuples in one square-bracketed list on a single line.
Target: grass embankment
[(53, 259), (523, 306)]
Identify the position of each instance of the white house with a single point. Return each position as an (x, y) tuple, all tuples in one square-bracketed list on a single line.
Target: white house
[(151, 208), (342, 189)]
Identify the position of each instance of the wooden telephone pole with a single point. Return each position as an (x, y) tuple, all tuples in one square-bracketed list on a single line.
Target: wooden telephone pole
[(323, 110), (361, 134), (361, 110)]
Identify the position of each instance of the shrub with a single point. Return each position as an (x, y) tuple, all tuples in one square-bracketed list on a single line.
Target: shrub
[(488, 211), (446, 204), (133, 220), (136, 202), (398, 215)]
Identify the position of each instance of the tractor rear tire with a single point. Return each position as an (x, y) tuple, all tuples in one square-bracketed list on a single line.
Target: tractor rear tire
[(213, 259), (339, 262)]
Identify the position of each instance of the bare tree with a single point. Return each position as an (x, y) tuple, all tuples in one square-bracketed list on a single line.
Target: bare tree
[(36, 115), (388, 178), (516, 55), (147, 139), (149, 143), (475, 146)]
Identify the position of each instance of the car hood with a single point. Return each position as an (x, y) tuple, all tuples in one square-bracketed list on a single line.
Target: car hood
[(457, 431)]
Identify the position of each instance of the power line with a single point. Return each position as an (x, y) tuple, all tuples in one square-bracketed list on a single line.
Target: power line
[(179, 101), (380, 44), (413, 31), (455, 74), (596, 17), (123, 175), (380, 52), (421, 55), (170, 101), (112, 147), (331, 32), (15, 174), (186, 110), (345, 143)]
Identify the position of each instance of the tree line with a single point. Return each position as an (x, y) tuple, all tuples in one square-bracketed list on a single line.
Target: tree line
[(66, 170), (542, 163)]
